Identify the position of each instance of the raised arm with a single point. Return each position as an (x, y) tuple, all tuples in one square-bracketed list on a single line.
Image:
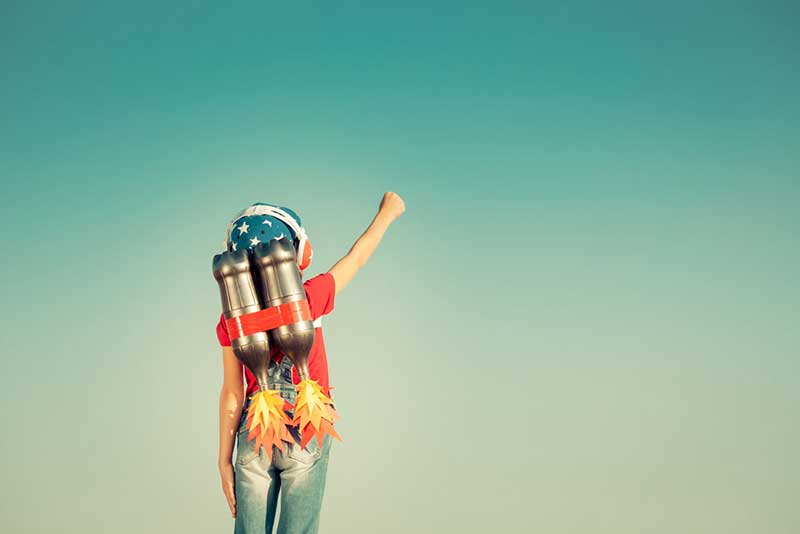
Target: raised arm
[(391, 207)]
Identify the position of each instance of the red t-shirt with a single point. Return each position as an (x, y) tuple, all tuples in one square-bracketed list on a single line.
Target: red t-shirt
[(320, 291)]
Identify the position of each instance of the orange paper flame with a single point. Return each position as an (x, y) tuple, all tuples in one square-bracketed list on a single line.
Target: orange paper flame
[(267, 421), (314, 412)]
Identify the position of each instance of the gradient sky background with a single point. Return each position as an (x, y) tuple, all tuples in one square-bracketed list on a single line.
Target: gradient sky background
[(585, 322)]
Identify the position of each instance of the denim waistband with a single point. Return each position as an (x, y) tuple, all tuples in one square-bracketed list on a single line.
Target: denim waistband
[(280, 378)]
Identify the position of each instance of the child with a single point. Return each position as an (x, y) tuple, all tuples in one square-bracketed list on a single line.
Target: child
[(253, 485)]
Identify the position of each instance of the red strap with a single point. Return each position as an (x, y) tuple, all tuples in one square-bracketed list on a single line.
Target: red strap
[(268, 318)]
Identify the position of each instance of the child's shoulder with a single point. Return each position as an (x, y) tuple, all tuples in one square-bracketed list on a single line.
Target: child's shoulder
[(320, 291)]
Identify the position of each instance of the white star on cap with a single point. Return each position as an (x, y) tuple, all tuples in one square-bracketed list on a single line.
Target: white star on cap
[(234, 246), (254, 242), (243, 228)]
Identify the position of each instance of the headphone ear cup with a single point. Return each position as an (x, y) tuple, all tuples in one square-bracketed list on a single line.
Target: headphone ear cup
[(304, 254)]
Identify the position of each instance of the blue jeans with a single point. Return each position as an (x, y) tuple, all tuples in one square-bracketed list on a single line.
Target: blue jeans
[(297, 476)]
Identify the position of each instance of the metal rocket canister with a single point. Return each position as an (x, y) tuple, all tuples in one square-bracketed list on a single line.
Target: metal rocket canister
[(282, 287), (266, 420), (282, 290), (239, 297)]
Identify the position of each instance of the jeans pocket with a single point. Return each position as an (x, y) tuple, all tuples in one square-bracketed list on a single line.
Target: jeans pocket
[(245, 450), (310, 455)]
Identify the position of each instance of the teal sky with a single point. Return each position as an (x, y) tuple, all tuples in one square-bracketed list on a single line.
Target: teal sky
[(585, 322)]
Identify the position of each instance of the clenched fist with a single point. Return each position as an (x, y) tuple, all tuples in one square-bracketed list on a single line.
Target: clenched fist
[(392, 204)]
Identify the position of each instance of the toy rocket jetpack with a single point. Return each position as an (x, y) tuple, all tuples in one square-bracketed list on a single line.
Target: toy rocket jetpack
[(264, 303)]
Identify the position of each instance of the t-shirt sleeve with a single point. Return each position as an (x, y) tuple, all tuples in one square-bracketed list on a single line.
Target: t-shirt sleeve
[(320, 292), (222, 332)]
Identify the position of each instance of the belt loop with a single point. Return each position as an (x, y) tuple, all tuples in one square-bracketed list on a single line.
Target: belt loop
[(274, 374)]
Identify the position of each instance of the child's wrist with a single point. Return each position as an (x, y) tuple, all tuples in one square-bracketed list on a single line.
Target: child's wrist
[(385, 217)]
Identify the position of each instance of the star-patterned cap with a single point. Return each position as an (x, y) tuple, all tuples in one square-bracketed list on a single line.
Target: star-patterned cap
[(247, 230)]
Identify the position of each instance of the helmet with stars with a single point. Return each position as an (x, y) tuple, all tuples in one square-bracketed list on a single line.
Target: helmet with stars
[(247, 229)]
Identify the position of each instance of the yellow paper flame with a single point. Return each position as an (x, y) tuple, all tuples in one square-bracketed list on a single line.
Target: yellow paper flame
[(314, 413), (266, 421)]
